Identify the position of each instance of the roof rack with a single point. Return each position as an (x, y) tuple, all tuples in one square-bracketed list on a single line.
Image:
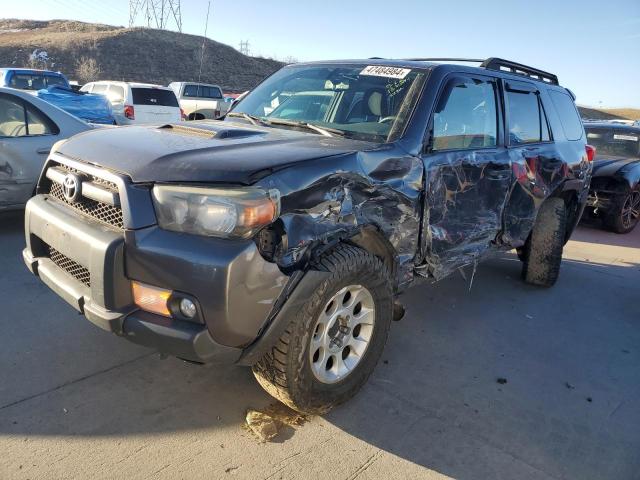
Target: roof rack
[(494, 63)]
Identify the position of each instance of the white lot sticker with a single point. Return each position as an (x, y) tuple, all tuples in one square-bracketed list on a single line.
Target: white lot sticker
[(631, 138), (389, 72)]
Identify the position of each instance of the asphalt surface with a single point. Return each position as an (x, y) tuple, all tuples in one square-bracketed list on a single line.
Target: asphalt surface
[(77, 402)]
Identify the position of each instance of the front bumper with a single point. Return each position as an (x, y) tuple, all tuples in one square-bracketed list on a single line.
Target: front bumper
[(234, 307)]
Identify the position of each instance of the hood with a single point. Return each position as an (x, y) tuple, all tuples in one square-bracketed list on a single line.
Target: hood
[(607, 166), (204, 151)]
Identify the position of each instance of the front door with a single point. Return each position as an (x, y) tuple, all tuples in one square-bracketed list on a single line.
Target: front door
[(468, 174), (26, 136)]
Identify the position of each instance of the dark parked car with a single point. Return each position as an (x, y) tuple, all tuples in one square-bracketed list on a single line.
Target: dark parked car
[(615, 188), (284, 243)]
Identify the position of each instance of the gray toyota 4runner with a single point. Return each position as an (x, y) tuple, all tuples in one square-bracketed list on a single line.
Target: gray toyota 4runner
[(282, 237)]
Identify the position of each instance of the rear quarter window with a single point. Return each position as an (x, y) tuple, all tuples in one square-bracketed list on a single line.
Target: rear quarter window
[(100, 88), (154, 96), (568, 113)]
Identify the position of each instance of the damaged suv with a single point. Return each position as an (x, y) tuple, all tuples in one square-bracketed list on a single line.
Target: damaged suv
[(282, 237)]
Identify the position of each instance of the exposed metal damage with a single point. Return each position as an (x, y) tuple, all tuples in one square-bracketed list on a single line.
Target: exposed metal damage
[(437, 213)]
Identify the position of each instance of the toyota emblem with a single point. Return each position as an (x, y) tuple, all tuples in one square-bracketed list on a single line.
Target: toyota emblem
[(71, 187)]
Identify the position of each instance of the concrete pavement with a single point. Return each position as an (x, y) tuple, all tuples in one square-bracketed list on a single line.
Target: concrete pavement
[(76, 402)]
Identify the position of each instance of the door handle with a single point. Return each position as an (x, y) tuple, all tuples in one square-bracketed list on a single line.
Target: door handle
[(43, 151), (498, 174)]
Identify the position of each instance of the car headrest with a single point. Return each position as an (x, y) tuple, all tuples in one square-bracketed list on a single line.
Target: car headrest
[(375, 103), (19, 83)]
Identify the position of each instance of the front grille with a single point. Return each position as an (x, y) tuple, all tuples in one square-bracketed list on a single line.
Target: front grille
[(103, 212), (74, 269)]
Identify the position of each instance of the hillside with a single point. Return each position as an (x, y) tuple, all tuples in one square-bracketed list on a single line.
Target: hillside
[(133, 54), (609, 113)]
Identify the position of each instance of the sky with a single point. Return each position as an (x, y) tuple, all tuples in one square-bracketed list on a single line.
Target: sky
[(593, 46)]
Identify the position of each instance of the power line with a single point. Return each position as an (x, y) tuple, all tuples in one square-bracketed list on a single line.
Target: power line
[(157, 13), (204, 40)]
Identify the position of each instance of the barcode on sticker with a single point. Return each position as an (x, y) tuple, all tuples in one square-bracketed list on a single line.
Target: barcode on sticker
[(388, 72), (631, 138)]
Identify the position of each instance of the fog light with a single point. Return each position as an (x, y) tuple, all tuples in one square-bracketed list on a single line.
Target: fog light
[(188, 308), (151, 299)]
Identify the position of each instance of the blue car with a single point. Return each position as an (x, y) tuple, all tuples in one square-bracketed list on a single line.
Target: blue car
[(89, 107), (30, 79)]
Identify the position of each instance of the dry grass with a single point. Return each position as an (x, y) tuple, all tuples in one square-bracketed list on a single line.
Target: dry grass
[(140, 54), (628, 113), (609, 113)]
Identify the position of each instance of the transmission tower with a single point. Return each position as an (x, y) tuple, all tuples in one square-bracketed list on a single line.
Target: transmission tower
[(244, 47), (157, 13)]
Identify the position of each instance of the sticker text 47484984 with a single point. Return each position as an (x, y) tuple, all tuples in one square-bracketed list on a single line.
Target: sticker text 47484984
[(388, 72)]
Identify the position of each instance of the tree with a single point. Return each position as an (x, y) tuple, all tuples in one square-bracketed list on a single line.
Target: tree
[(87, 69)]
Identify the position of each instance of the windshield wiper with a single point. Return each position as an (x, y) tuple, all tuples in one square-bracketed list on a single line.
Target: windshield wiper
[(257, 121), (326, 131)]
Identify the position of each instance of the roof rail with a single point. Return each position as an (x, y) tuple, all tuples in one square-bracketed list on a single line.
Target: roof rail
[(472, 60), (494, 63), (500, 64)]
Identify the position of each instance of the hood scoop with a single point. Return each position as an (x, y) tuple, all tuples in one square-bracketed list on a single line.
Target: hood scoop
[(203, 132)]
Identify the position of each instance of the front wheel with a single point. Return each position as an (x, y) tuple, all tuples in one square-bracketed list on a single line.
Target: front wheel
[(332, 345), (625, 213)]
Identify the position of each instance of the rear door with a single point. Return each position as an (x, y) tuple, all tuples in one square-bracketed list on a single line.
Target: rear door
[(26, 137), (537, 162), (155, 105), (468, 172)]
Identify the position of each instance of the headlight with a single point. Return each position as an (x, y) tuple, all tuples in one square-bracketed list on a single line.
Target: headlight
[(215, 212)]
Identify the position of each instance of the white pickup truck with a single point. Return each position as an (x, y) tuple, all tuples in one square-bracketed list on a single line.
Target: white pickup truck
[(200, 100)]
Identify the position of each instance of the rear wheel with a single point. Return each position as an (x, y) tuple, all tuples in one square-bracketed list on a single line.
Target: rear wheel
[(542, 254), (625, 214), (333, 344)]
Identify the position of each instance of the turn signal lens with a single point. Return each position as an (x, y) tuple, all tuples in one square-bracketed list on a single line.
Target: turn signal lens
[(151, 299)]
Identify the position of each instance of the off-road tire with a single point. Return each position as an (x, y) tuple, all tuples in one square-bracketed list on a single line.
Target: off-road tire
[(543, 250), (613, 219), (285, 372)]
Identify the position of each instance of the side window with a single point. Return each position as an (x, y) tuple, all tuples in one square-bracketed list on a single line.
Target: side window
[(190, 91), (116, 93), (38, 123), (466, 115), (12, 117), (569, 118), (87, 87), (527, 120)]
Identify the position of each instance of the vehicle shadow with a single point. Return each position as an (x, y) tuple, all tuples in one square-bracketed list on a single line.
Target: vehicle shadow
[(11, 221), (509, 380), (496, 379)]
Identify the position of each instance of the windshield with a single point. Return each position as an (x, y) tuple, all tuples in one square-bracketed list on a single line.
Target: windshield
[(617, 142), (365, 102), (35, 81)]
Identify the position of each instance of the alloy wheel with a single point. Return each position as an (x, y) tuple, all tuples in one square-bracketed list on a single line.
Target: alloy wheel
[(342, 334)]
